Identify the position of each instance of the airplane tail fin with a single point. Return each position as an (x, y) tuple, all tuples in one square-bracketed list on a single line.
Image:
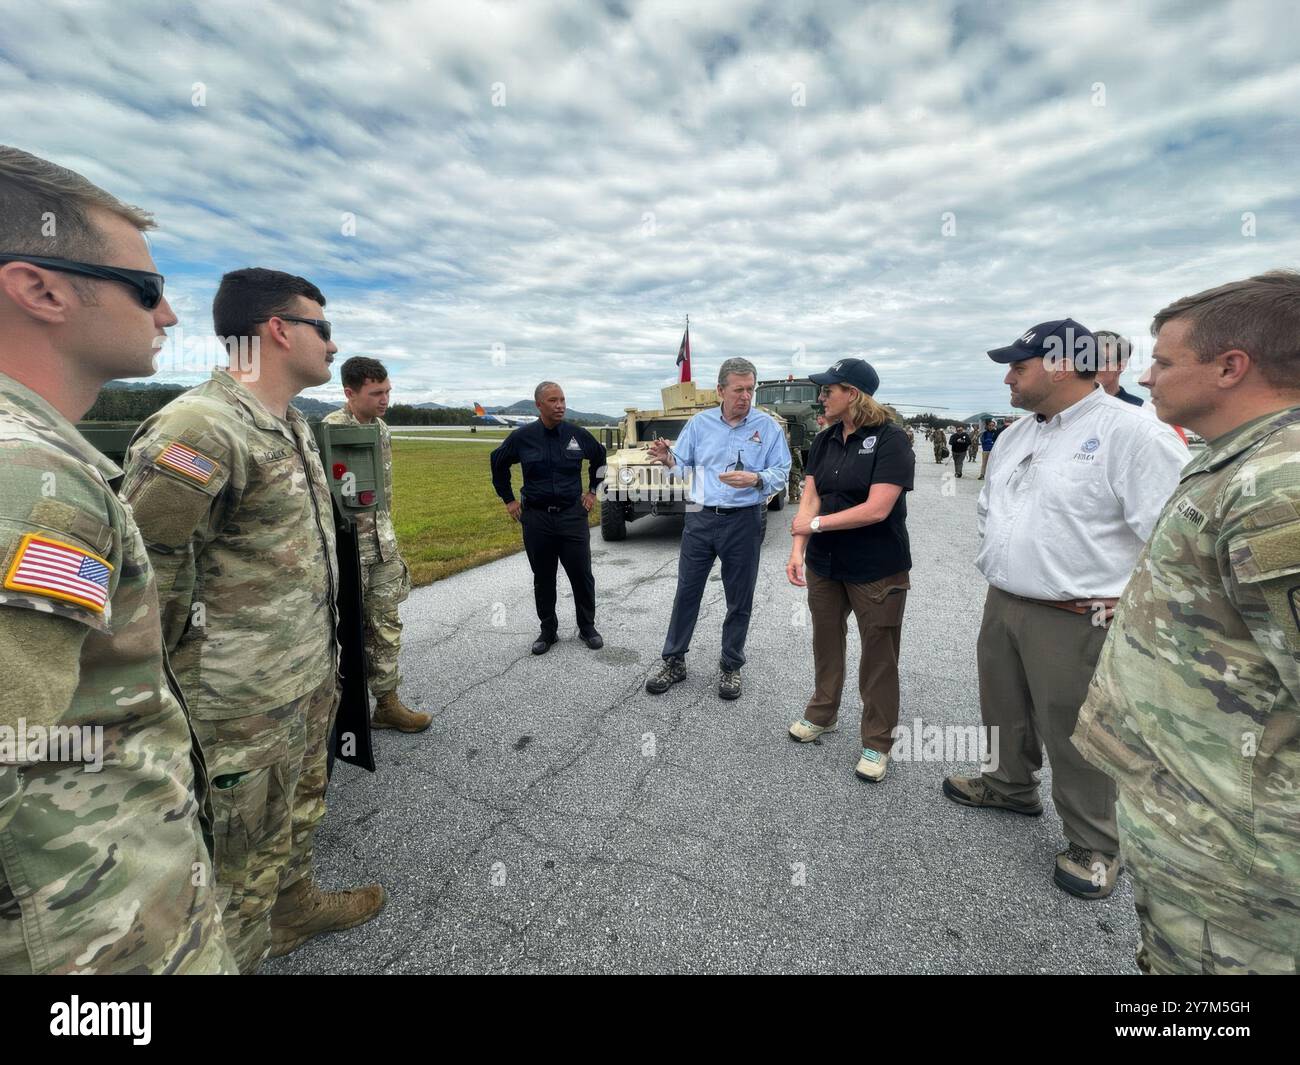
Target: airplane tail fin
[(478, 409)]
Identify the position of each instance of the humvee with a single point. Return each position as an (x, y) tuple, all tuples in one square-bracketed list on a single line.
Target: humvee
[(634, 485)]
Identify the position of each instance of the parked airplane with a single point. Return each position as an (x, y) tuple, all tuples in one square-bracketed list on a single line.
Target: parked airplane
[(504, 419)]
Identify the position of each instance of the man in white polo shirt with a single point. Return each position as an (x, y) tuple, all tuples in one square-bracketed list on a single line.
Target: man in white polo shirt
[(1070, 498)]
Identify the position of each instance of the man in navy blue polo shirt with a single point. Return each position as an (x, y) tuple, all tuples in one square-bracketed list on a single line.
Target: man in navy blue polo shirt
[(554, 509), (737, 457)]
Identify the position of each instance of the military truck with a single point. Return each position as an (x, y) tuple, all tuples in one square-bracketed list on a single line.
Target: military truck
[(795, 400), (354, 470), (634, 485)]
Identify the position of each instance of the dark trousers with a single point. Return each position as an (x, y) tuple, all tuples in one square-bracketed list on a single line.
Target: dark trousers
[(958, 457), (736, 539), (565, 538)]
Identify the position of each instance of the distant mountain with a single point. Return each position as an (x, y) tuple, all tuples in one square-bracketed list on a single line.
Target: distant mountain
[(313, 408), (431, 406), (137, 386), (527, 406)]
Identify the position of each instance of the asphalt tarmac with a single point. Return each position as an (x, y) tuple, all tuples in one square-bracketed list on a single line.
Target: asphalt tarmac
[(557, 818)]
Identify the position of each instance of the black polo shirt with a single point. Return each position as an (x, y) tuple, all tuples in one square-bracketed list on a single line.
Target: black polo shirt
[(843, 474), (552, 462)]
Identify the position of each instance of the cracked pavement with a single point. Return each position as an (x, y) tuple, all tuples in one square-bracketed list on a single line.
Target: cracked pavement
[(557, 818)]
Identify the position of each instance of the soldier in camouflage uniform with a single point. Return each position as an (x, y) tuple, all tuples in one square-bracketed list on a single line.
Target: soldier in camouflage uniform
[(1195, 706), (104, 865), (227, 486), (385, 580)]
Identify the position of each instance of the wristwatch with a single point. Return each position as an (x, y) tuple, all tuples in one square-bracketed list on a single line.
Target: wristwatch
[(816, 523)]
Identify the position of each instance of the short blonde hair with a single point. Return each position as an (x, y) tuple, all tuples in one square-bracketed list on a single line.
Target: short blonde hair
[(865, 411), (32, 188)]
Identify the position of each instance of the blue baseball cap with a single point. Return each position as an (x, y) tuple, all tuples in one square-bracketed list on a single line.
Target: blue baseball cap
[(855, 372), (1059, 339)]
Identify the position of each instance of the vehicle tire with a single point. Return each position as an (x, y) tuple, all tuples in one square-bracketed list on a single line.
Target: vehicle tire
[(613, 525), (778, 501)]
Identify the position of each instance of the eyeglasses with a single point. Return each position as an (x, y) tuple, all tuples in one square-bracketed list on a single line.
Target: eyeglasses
[(321, 325), (148, 286)]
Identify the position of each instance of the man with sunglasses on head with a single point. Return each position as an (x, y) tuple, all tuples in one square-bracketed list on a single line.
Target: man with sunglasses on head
[(227, 486), (105, 863)]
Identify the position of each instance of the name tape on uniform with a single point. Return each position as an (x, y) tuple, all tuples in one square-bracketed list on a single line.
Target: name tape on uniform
[(187, 462), (58, 570)]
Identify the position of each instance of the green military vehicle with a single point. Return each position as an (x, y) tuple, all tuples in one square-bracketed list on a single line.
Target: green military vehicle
[(354, 469), (634, 485), (795, 400)]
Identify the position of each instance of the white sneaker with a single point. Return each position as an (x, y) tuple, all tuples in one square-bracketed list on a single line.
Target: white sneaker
[(872, 765), (805, 731)]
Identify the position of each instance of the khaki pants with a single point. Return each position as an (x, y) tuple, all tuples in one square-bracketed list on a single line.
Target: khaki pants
[(1035, 663), (878, 608), (267, 796), (1177, 942)]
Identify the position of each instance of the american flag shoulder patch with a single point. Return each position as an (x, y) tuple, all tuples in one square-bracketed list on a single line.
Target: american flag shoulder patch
[(187, 462), (58, 570)]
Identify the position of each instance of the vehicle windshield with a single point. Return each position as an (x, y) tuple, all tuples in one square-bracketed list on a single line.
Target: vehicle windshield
[(771, 395), (659, 428)]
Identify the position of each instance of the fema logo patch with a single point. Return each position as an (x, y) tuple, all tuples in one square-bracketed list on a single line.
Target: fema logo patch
[(755, 439), (868, 446), (573, 444), (1090, 445)]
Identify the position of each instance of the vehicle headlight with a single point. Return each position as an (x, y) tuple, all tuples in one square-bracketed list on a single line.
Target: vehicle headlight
[(626, 475)]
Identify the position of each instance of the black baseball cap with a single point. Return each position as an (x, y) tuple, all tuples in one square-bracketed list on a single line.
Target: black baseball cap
[(1038, 341), (855, 372)]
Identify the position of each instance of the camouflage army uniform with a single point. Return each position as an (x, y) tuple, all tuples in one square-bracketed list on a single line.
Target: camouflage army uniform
[(385, 580), (103, 871), (1195, 711), (236, 513)]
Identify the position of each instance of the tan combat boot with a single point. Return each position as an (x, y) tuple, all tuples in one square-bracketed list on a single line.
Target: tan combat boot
[(304, 912), (391, 712)]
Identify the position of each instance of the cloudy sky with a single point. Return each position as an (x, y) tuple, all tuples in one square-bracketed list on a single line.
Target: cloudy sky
[(494, 193)]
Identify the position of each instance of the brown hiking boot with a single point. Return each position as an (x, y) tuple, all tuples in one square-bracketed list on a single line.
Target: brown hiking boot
[(974, 791), (304, 912), (1086, 874), (391, 712)]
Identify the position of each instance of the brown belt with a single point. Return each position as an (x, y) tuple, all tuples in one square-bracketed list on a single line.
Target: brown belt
[(1074, 606)]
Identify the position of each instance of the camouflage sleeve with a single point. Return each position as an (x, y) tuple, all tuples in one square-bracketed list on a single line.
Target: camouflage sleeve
[(178, 486), (45, 614), (1261, 538)]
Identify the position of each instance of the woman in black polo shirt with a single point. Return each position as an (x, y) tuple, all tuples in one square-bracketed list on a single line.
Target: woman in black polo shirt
[(851, 550)]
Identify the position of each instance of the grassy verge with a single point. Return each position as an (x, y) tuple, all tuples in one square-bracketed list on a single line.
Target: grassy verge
[(446, 514)]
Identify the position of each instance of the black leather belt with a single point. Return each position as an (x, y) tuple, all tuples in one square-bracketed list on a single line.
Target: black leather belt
[(550, 509), (730, 510)]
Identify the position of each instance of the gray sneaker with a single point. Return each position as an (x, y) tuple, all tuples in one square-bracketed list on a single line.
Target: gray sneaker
[(729, 685), (673, 671)]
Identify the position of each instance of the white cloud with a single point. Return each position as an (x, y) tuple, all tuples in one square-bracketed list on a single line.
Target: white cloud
[(792, 235)]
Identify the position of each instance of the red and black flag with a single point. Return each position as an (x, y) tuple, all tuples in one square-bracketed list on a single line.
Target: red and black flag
[(684, 354)]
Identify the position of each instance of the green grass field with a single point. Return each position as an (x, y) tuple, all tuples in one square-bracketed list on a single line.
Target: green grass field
[(446, 514)]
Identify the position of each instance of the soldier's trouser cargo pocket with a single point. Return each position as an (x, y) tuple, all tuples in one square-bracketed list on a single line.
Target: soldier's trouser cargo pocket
[(1177, 942), (253, 764)]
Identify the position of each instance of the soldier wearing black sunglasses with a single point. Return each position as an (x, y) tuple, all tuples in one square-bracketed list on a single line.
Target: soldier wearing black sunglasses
[(80, 637), (227, 485)]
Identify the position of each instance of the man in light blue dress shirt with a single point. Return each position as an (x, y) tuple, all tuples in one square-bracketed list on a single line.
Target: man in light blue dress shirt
[(737, 458)]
